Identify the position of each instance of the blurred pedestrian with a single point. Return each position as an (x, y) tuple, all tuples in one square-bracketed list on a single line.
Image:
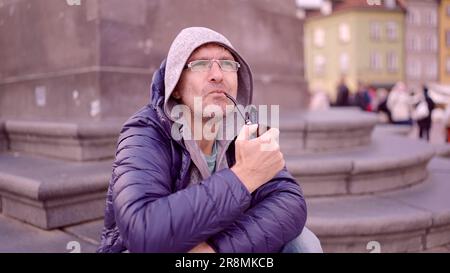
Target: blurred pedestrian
[(362, 98), (319, 101), (382, 109), (399, 103), (373, 98), (343, 93), (423, 111)]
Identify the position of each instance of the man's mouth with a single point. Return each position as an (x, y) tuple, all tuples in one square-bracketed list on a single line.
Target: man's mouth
[(218, 92)]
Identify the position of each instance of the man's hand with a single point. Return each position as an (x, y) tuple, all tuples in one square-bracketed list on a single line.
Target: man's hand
[(257, 160), (202, 248)]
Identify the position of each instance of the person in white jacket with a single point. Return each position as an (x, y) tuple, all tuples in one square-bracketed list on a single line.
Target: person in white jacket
[(399, 103)]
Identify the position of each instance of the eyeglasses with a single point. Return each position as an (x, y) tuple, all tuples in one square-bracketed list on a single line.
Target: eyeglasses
[(205, 65)]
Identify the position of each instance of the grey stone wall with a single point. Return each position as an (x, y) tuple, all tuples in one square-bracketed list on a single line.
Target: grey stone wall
[(95, 60)]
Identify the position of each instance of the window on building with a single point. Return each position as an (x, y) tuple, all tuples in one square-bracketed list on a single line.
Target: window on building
[(392, 31), (433, 18), (447, 38), (430, 17), (344, 62), (344, 32), (319, 37), (375, 61), (426, 42), (319, 64), (392, 62), (375, 31), (409, 42), (413, 68), (431, 69), (410, 17), (430, 42), (447, 65), (415, 43), (413, 17)]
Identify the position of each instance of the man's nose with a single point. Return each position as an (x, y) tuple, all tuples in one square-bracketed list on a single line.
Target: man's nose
[(215, 73)]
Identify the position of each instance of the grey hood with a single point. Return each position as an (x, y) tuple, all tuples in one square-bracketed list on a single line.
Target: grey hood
[(181, 49)]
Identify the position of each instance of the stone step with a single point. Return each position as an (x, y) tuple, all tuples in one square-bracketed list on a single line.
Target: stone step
[(442, 149), (388, 163), (325, 131), (17, 237), (51, 193), (3, 139), (70, 140), (393, 129), (407, 220)]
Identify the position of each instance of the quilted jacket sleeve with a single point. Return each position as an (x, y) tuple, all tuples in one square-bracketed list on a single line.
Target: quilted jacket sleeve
[(150, 217), (276, 216)]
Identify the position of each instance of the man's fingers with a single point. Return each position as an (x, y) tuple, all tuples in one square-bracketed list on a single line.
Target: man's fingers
[(246, 131), (271, 134), (269, 140)]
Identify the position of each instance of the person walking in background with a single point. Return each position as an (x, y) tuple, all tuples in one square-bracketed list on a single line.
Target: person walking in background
[(319, 101), (362, 98), (343, 93), (399, 103), (373, 98), (447, 122), (423, 113), (382, 109)]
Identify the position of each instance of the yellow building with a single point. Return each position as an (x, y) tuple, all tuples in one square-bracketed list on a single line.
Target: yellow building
[(363, 42), (444, 42)]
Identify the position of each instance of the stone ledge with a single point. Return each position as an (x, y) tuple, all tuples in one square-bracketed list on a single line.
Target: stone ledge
[(431, 196), (407, 220), (361, 216), (79, 141), (391, 152), (389, 243), (17, 237), (52, 193), (3, 137), (325, 131), (442, 150), (392, 129), (387, 164), (438, 236), (68, 211)]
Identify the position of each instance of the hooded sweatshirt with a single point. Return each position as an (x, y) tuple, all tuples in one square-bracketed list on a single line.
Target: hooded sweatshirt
[(150, 206), (186, 42)]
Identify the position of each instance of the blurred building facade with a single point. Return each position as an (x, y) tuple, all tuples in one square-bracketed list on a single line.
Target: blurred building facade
[(444, 42), (95, 60), (421, 43), (358, 40)]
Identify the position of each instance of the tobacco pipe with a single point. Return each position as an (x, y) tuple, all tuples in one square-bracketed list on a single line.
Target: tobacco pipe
[(247, 119)]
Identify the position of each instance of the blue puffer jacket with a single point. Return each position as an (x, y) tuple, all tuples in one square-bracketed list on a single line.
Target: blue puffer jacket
[(150, 207)]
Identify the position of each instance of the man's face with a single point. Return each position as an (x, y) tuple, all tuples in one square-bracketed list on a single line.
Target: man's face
[(208, 85)]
